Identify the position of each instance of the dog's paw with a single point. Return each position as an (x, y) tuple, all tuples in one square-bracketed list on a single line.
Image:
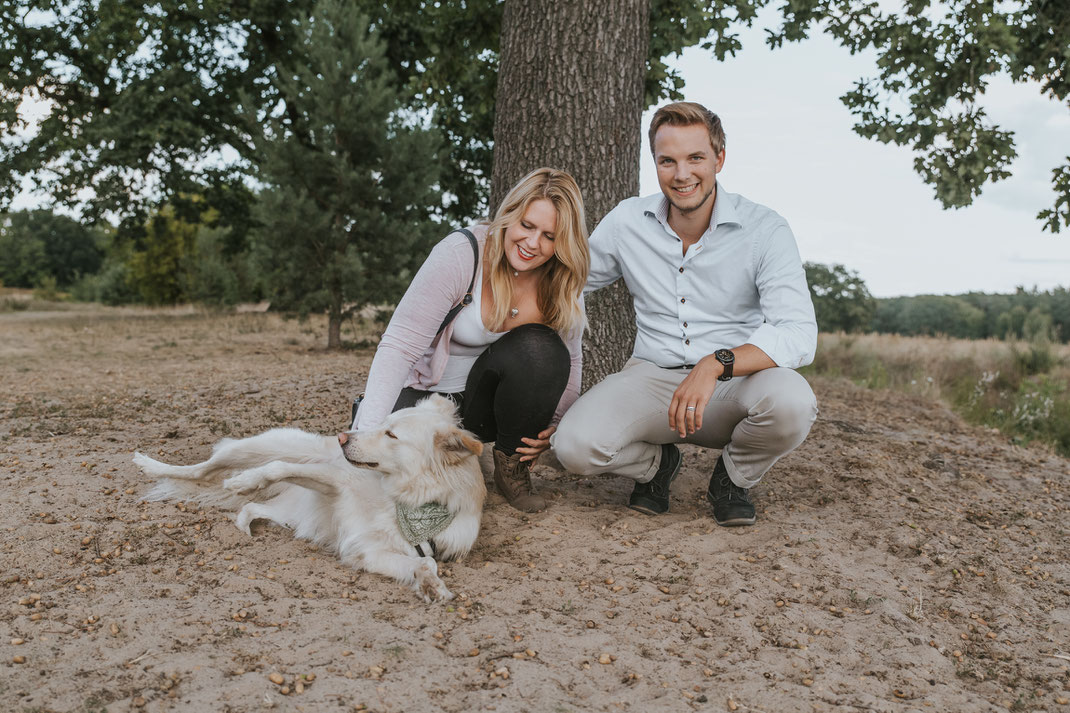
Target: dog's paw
[(148, 465), (244, 521), (243, 483), (435, 591), (429, 583)]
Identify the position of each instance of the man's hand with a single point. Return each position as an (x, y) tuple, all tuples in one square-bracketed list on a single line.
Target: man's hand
[(691, 396), (536, 445)]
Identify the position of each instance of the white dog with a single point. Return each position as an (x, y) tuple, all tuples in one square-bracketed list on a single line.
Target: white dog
[(386, 500)]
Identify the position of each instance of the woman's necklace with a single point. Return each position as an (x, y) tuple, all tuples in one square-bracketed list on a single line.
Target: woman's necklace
[(514, 311)]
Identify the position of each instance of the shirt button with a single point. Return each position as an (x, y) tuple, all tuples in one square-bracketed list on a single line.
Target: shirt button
[(682, 300), (681, 269), (687, 341), (685, 324)]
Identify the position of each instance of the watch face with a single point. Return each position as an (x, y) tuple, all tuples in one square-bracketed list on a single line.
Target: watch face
[(727, 359)]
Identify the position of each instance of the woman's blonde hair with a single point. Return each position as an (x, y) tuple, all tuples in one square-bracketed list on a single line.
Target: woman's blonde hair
[(565, 274)]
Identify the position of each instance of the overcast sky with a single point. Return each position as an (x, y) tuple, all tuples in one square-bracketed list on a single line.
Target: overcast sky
[(857, 202)]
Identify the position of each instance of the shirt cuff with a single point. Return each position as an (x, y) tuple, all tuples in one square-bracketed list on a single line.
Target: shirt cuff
[(770, 340)]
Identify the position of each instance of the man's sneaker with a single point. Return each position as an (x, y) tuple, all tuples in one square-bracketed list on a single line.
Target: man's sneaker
[(731, 504), (652, 497)]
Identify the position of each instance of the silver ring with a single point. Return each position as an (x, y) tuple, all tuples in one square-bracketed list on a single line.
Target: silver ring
[(690, 408)]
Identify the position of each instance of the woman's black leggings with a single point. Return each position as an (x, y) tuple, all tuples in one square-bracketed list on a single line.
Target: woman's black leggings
[(513, 388)]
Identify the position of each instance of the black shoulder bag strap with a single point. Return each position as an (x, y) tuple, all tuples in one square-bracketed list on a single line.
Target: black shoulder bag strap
[(471, 285)]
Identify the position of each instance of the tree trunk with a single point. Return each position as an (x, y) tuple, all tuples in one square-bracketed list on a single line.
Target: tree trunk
[(334, 325), (570, 95)]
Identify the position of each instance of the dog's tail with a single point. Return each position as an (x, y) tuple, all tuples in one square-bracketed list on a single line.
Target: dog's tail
[(166, 489)]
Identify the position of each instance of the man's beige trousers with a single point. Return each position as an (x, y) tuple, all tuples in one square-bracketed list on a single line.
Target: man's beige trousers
[(619, 425)]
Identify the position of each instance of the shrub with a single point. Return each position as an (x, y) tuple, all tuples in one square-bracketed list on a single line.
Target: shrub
[(1037, 358), (47, 289), (110, 286)]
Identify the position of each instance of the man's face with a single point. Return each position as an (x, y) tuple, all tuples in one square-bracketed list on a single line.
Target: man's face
[(687, 165)]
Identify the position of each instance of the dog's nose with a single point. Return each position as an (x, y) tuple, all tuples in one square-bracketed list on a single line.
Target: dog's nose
[(342, 438)]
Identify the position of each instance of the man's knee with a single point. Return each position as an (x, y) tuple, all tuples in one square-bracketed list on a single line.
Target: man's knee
[(795, 409), (581, 449), (572, 450), (597, 427)]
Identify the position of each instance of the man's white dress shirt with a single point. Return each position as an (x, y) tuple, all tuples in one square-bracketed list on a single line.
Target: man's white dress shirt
[(741, 283)]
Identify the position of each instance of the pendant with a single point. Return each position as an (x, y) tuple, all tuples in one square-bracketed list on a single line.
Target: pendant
[(514, 312)]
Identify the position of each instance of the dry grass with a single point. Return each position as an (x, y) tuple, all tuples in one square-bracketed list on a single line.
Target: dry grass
[(1019, 387), (88, 324)]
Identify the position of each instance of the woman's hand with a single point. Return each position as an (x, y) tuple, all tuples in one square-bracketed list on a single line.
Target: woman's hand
[(536, 445)]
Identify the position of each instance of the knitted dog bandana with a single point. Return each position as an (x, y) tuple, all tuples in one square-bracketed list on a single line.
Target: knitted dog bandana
[(421, 524)]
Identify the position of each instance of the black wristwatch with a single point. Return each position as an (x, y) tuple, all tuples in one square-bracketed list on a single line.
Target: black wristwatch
[(727, 359)]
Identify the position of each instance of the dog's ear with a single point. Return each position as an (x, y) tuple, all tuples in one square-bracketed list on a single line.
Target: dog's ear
[(471, 443), (456, 445)]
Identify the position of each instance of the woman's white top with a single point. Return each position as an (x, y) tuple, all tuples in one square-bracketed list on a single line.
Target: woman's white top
[(470, 339), (410, 356)]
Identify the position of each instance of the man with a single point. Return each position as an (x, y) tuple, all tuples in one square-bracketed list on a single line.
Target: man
[(723, 315)]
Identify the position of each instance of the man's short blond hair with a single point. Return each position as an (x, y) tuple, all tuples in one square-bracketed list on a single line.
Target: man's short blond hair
[(688, 114)]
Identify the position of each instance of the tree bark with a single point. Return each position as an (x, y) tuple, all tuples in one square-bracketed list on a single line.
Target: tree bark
[(570, 95), (334, 324)]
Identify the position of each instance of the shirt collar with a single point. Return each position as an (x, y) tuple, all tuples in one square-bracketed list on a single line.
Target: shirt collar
[(656, 206), (724, 208)]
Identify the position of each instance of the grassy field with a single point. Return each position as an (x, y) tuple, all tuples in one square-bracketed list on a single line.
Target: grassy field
[(1020, 388)]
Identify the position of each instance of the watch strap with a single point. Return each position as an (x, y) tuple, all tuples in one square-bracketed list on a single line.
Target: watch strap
[(728, 361)]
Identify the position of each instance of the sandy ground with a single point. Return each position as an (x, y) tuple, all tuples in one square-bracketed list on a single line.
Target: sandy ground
[(902, 561)]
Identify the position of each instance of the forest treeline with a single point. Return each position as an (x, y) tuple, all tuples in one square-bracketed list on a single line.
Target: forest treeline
[(843, 304), (175, 260)]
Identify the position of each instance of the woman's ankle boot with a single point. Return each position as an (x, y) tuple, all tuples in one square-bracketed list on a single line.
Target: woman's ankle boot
[(513, 479)]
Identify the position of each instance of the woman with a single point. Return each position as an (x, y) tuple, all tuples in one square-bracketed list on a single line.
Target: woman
[(511, 358)]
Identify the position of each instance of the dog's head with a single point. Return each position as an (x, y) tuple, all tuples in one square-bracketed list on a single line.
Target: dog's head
[(422, 453)]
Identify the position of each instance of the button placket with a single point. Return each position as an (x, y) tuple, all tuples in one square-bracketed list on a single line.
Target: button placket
[(686, 292)]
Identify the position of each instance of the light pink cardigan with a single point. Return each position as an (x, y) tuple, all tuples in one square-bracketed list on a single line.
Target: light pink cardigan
[(408, 354)]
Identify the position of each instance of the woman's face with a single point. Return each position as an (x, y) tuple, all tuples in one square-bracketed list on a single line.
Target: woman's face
[(529, 242)]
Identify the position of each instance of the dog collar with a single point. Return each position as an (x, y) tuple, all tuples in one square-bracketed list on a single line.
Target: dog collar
[(420, 524)]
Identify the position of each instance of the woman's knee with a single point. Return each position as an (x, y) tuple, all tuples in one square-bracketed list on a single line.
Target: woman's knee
[(533, 336), (532, 346)]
